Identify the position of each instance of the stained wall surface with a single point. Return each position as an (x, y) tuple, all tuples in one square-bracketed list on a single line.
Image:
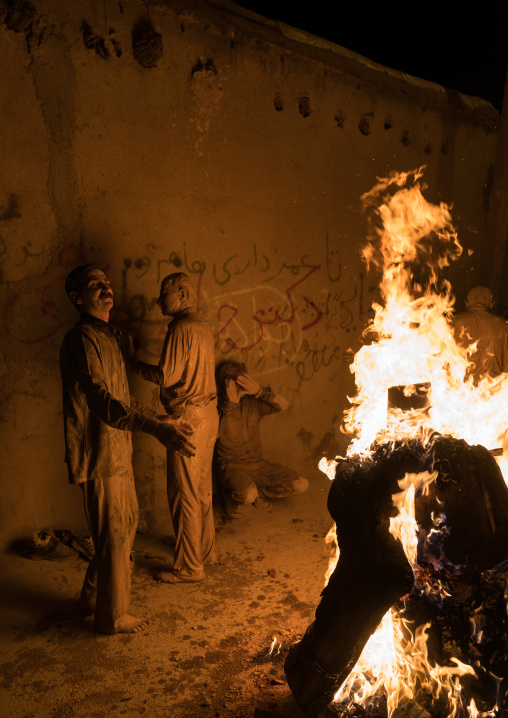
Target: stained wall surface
[(154, 137)]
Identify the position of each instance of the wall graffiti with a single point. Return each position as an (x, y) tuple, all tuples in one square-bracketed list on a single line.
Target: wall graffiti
[(266, 311), (274, 310), (31, 323)]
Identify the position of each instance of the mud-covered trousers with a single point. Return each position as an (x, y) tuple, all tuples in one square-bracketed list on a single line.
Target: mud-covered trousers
[(112, 512), (190, 494), (245, 481)]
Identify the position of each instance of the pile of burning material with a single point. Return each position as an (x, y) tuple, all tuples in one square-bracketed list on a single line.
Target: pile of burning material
[(420, 505)]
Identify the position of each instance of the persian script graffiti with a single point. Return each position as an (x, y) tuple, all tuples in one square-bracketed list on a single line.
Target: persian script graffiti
[(242, 324)]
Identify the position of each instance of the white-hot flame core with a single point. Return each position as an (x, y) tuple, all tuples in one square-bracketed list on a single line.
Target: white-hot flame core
[(412, 342), (395, 661), (328, 467), (413, 339), (275, 646), (403, 526)]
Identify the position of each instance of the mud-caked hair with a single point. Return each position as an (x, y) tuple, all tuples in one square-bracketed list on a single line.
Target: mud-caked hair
[(227, 370)]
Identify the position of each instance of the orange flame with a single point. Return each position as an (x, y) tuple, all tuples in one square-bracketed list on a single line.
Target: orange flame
[(413, 339), (412, 342)]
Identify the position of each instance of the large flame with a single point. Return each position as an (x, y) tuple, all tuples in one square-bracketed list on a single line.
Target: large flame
[(412, 338), (412, 343)]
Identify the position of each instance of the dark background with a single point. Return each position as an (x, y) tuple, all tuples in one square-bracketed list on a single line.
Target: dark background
[(462, 46)]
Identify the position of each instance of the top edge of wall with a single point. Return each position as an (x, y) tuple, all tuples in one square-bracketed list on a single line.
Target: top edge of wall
[(227, 16)]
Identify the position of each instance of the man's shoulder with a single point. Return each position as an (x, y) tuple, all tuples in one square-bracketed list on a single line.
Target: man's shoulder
[(191, 323), (73, 334), (86, 330), (461, 317), (493, 319)]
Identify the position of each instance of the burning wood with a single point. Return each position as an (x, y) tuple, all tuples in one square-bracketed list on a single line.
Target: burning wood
[(454, 571), (421, 515)]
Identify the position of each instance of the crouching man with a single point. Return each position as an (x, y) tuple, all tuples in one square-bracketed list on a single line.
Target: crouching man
[(99, 415), (246, 477)]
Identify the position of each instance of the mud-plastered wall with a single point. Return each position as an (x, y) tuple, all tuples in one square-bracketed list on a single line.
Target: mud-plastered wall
[(155, 137)]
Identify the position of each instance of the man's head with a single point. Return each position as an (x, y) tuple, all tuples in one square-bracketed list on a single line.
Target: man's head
[(480, 296), (89, 290), (230, 370), (176, 294)]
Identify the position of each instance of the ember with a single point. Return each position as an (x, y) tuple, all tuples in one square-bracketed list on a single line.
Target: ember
[(421, 516)]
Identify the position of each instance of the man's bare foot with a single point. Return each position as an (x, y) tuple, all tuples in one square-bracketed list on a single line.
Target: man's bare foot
[(177, 577), (130, 624), (211, 560)]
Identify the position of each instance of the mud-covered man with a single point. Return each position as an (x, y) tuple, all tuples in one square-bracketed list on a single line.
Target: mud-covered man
[(246, 477), (479, 326), (186, 376), (99, 415)]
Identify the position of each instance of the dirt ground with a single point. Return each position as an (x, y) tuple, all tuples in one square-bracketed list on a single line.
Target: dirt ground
[(207, 649)]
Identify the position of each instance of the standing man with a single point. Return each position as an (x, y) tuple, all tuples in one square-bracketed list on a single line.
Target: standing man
[(99, 416), (489, 332), (186, 376)]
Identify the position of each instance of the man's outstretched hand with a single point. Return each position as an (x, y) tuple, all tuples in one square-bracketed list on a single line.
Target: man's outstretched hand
[(174, 434)]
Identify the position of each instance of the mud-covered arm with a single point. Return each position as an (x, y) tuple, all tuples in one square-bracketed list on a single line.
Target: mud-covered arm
[(272, 401), (150, 372), (94, 381), (175, 354), (267, 400)]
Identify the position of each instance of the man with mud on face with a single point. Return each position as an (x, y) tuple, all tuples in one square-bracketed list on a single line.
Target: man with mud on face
[(99, 415), (186, 376), (246, 477)]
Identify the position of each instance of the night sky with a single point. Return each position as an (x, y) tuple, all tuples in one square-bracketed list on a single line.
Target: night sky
[(464, 48)]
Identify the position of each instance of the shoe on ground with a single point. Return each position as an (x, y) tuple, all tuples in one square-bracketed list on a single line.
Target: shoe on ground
[(46, 545), (262, 504), (84, 545), (235, 511)]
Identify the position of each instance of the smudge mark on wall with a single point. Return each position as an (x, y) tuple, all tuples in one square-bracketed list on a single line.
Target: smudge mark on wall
[(304, 107), (206, 86), (92, 41), (146, 43), (340, 118)]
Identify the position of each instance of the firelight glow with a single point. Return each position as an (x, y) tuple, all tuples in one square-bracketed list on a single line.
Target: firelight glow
[(411, 342)]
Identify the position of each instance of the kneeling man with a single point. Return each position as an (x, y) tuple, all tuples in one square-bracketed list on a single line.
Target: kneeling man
[(246, 477)]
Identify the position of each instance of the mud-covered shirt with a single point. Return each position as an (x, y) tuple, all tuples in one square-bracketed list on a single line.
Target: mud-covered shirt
[(187, 363), (99, 413), (239, 439), (490, 333)]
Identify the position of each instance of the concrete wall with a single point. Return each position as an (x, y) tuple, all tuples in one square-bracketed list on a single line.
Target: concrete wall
[(150, 137)]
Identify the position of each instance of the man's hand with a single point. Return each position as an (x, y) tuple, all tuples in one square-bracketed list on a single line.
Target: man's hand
[(174, 433), (232, 391), (247, 385)]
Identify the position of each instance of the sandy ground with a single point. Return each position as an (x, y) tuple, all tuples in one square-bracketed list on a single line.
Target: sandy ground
[(206, 650)]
